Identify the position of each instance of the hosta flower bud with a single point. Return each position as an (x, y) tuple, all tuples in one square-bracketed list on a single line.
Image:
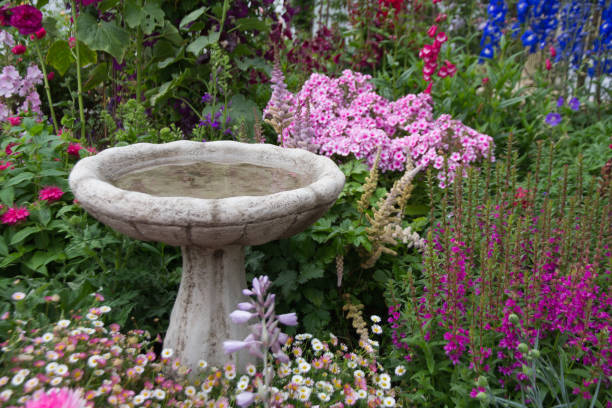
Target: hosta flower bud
[(523, 348), (535, 353)]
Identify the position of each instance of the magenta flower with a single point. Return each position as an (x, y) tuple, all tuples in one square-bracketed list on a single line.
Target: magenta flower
[(14, 121), (553, 119), (13, 215), (74, 148), (27, 19), (50, 194), (58, 398), (19, 49)]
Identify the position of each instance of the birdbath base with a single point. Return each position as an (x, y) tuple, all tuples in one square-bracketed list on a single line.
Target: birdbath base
[(211, 286)]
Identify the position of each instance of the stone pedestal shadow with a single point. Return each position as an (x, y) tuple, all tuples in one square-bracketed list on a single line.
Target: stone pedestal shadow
[(212, 232)]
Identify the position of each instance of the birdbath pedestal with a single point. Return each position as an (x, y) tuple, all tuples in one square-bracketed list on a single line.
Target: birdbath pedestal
[(211, 199)]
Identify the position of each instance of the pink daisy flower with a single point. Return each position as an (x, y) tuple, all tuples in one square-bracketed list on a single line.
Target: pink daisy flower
[(13, 215), (57, 398), (50, 194)]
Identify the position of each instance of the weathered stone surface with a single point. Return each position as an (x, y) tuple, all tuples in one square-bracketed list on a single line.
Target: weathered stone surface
[(211, 232)]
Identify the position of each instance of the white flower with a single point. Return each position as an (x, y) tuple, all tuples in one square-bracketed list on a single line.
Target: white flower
[(384, 381), (190, 391), (24, 372), (93, 361), (98, 323), (304, 393), (63, 323), (18, 296), (61, 369), (51, 367), (146, 394), (52, 355), (139, 369), (17, 379), (73, 358), (5, 395), (92, 316), (304, 367), (400, 370), (362, 394), (55, 381), (351, 364), (47, 337), (242, 386), (389, 402), (230, 375), (167, 353), (139, 399), (297, 379), (376, 329), (203, 364), (359, 374), (98, 372), (375, 319), (159, 394), (104, 309), (251, 370), (31, 383)]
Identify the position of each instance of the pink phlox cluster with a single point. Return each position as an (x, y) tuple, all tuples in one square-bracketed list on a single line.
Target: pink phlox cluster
[(57, 398), (19, 93), (349, 118), (6, 39)]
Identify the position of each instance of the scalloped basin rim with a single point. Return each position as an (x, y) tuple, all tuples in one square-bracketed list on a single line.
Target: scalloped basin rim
[(91, 178)]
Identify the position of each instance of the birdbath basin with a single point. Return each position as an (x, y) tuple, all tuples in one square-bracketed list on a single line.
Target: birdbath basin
[(211, 199)]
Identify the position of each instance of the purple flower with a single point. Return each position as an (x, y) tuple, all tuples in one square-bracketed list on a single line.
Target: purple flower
[(240, 316), (553, 118), (27, 19), (288, 319), (206, 98), (244, 399), (574, 104), (231, 346), (245, 306), (560, 102)]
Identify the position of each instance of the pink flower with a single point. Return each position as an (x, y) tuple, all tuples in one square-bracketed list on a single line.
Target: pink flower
[(41, 33), (428, 89), (27, 19), (553, 51), (548, 64), (58, 398), (50, 194), (13, 215), (432, 31), (74, 148), (288, 319), (19, 49), (14, 121), (71, 42), (3, 166), (50, 76)]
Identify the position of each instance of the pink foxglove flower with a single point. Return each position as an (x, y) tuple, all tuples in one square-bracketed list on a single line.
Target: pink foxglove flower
[(57, 398)]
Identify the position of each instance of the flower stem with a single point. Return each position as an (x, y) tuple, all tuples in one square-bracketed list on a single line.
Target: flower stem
[(78, 70), (47, 87), (139, 61)]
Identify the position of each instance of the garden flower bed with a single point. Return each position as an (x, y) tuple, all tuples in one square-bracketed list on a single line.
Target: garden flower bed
[(466, 262)]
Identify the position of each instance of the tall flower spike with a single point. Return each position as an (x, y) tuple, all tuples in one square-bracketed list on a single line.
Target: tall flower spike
[(278, 111)]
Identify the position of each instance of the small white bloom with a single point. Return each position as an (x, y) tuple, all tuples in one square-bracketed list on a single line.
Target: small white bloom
[(376, 329), (362, 394), (73, 358), (375, 318), (51, 367), (98, 323), (242, 386), (384, 381), (167, 353), (159, 394), (55, 381), (139, 369), (61, 369), (359, 374), (52, 355), (31, 383), (190, 391), (139, 399), (230, 375), (104, 309), (389, 402), (146, 394), (92, 316), (63, 323), (47, 337), (18, 296), (297, 379), (251, 370), (351, 364), (202, 364), (93, 361), (17, 379), (98, 372), (23, 372), (304, 367), (400, 370)]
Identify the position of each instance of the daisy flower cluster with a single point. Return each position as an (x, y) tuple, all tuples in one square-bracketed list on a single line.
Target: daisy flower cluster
[(348, 117)]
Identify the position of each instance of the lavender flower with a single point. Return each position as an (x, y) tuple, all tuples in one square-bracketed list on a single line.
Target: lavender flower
[(574, 104), (206, 97), (553, 119), (265, 337)]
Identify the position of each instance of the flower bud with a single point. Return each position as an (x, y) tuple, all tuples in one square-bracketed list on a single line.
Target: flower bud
[(482, 381), (19, 49), (535, 353), (482, 396), (513, 318), (523, 348)]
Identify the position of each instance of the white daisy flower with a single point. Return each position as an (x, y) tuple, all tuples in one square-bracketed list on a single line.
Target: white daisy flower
[(139, 399), (73, 358), (251, 370), (389, 402), (47, 337), (55, 381), (304, 367), (375, 318), (167, 353), (51, 355), (104, 309), (159, 394), (98, 323), (359, 373), (297, 379), (190, 391), (61, 369), (362, 394), (202, 364), (92, 316), (98, 372), (51, 367), (5, 395), (400, 370), (376, 329), (63, 323), (18, 296)]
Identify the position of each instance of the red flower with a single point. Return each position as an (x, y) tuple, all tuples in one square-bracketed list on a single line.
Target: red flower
[(6, 165), (450, 68), (19, 49), (71, 42), (432, 31), (50, 194), (553, 51), (428, 89), (485, 80), (73, 149), (27, 19), (548, 64), (441, 37), (13, 215), (440, 18), (50, 76), (41, 33), (14, 121), (9, 148)]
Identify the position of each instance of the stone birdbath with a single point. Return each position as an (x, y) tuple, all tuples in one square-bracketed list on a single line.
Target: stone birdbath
[(211, 199)]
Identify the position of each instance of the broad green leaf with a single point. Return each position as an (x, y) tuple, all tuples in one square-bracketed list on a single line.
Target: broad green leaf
[(44, 215), (23, 234), (106, 5), (40, 259), (98, 75), (257, 63), (52, 173), (7, 195), (251, 23), (86, 55), (243, 108), (26, 175), (3, 247), (202, 42), (104, 36), (315, 296), (60, 57), (165, 88), (133, 14), (170, 33), (310, 271), (191, 17), (153, 17)]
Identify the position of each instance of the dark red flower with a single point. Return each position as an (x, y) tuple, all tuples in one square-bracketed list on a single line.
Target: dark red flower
[(548, 64), (432, 31), (50, 76), (5, 15), (19, 49), (41, 33), (27, 19)]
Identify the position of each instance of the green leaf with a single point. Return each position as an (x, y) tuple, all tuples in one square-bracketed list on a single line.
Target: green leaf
[(60, 57), (202, 42), (251, 23), (287, 281), (310, 271), (106, 5), (98, 75), (23, 234), (243, 108), (257, 63), (133, 14), (86, 55), (7, 195), (153, 17), (191, 17), (104, 36), (315, 296), (52, 173), (40, 259), (43, 214), (3, 247), (26, 175)]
